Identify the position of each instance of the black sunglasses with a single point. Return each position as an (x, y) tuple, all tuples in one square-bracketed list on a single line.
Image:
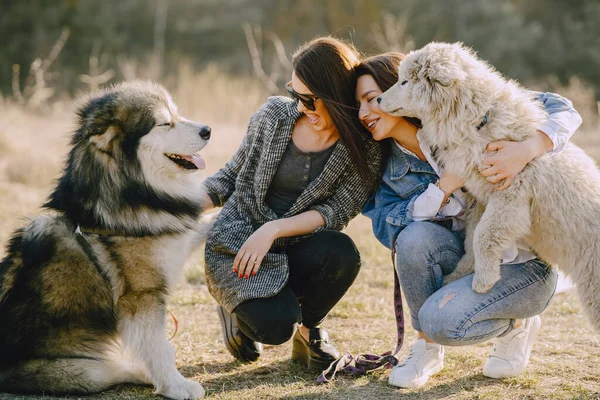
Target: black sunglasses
[(308, 101)]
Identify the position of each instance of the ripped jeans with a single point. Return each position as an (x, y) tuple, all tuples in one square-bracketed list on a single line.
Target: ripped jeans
[(455, 315)]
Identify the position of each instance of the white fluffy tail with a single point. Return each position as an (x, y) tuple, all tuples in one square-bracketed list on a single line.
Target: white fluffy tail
[(587, 281), (204, 227), (64, 375)]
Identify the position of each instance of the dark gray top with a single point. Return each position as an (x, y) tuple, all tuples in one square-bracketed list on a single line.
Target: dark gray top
[(240, 187), (296, 170)]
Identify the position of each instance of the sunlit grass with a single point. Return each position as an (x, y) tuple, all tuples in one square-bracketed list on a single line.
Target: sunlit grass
[(565, 362)]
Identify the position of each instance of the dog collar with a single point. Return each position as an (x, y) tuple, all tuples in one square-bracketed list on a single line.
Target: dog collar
[(484, 121), (106, 232)]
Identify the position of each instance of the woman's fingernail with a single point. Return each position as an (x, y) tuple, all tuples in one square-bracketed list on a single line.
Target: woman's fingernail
[(240, 275), (253, 272), (235, 270), (246, 276)]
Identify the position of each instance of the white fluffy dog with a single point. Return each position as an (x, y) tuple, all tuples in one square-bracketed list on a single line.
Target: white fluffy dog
[(553, 205)]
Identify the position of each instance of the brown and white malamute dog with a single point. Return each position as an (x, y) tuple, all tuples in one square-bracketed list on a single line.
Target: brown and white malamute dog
[(83, 287)]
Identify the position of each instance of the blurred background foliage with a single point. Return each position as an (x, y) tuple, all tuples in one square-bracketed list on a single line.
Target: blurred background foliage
[(530, 40)]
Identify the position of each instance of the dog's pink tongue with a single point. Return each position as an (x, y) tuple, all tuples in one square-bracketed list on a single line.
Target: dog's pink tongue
[(198, 161)]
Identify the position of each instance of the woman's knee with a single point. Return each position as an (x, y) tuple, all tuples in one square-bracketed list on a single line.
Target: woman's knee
[(441, 334), (440, 326), (344, 257), (416, 239), (273, 330), (271, 320), (424, 243), (279, 332)]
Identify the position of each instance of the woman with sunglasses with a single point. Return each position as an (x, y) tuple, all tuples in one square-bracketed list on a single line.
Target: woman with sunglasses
[(417, 211), (276, 259)]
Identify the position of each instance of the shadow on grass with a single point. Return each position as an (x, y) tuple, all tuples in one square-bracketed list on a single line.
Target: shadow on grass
[(375, 386), (230, 378), (125, 391), (219, 368), (442, 390)]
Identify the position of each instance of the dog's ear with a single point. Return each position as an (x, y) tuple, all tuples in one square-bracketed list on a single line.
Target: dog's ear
[(442, 64), (104, 140), (98, 121), (444, 74), (97, 114)]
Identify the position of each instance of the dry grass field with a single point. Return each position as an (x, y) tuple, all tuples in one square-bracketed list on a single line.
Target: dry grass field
[(566, 359)]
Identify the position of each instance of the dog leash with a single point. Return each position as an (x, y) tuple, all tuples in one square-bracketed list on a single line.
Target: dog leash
[(92, 256), (364, 363), (174, 321), (107, 232)]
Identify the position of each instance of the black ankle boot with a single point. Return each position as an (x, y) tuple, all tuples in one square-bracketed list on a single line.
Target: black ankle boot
[(317, 353), (239, 345)]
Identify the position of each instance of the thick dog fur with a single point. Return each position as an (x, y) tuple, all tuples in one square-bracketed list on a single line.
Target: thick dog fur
[(553, 205), (83, 287)]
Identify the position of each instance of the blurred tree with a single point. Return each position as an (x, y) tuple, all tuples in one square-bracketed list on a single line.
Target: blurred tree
[(525, 39)]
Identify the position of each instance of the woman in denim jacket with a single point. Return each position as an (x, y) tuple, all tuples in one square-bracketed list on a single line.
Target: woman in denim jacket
[(417, 211)]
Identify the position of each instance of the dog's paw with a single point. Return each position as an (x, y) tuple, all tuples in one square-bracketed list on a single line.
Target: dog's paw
[(451, 277), (464, 267), (482, 283), (183, 390)]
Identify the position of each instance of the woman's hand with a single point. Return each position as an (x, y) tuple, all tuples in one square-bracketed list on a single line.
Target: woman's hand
[(504, 159), (248, 259), (449, 182)]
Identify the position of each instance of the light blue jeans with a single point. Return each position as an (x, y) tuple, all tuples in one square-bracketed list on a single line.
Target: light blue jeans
[(455, 315)]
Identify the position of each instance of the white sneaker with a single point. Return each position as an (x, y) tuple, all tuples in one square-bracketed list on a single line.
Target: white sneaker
[(423, 360), (510, 354)]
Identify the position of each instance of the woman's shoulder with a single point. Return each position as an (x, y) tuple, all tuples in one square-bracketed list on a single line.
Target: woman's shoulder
[(278, 107)]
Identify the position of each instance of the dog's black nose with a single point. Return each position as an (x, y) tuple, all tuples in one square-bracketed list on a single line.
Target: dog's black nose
[(205, 133), (379, 100)]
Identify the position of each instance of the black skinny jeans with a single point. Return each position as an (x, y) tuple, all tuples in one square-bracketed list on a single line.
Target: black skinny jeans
[(322, 268)]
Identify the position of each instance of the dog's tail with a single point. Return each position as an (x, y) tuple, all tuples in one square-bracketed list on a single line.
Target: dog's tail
[(205, 225), (62, 376), (586, 277)]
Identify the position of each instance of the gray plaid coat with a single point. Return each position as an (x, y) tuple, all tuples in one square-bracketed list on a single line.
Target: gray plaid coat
[(241, 186)]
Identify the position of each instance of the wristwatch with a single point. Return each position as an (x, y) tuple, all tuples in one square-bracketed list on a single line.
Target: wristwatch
[(447, 201)]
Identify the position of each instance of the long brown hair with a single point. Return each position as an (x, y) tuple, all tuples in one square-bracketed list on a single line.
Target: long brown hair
[(327, 67), (384, 70)]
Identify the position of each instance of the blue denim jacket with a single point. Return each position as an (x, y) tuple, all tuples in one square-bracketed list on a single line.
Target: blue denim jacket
[(406, 177)]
